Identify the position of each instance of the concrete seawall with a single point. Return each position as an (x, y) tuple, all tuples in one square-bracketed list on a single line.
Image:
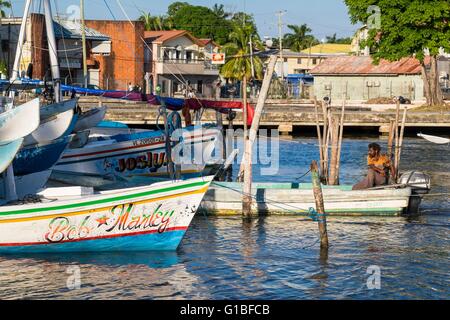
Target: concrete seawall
[(285, 117)]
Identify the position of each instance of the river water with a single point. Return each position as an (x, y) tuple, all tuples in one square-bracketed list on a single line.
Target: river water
[(271, 257)]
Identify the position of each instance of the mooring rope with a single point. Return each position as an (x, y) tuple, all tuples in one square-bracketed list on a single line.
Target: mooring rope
[(310, 212)]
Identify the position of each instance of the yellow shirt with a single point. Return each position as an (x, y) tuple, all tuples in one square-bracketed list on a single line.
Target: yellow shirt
[(382, 161)]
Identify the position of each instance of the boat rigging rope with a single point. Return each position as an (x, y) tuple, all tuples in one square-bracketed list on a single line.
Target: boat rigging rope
[(310, 212)]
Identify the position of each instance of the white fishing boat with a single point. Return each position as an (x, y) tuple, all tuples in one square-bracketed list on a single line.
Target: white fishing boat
[(153, 217), (142, 154), (18, 122), (52, 128), (53, 109), (90, 119), (434, 139), (225, 198)]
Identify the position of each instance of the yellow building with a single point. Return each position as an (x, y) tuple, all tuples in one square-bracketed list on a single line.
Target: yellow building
[(302, 62)]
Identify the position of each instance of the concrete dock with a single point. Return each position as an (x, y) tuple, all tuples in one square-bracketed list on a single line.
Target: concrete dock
[(285, 117)]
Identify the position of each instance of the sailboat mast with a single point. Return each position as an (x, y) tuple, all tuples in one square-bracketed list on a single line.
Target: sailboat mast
[(83, 40), (52, 50), (20, 41)]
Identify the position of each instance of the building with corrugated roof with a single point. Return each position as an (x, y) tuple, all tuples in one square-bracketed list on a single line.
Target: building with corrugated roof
[(359, 79), (68, 36)]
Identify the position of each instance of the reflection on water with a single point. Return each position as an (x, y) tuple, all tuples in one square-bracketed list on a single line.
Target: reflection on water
[(269, 257)]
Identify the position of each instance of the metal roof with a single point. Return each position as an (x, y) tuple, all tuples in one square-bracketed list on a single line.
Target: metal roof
[(362, 65), (71, 29)]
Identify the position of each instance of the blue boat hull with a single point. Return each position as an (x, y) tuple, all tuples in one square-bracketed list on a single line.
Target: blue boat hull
[(167, 241), (8, 152), (39, 158)]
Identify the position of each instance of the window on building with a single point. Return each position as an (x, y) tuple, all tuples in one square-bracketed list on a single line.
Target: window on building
[(200, 86), (285, 59), (299, 61), (177, 54), (314, 61), (189, 56), (166, 54), (163, 86)]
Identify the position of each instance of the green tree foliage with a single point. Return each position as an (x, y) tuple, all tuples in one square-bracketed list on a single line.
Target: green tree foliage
[(202, 22), (335, 39), (219, 11), (156, 23), (299, 39), (239, 60), (175, 7), (407, 28), (4, 4)]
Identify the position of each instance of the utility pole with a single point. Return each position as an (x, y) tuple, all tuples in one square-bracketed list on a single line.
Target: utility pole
[(251, 57), (280, 40), (83, 40)]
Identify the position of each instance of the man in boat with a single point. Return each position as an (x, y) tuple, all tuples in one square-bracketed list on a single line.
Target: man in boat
[(379, 167)]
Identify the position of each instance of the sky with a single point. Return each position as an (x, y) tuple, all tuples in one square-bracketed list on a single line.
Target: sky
[(324, 17)]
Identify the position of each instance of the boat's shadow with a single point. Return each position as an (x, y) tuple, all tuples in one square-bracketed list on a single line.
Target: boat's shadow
[(152, 259)]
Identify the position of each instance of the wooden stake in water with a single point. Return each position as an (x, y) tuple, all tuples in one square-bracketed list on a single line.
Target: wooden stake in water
[(341, 137), (334, 131), (319, 136), (399, 152), (320, 208)]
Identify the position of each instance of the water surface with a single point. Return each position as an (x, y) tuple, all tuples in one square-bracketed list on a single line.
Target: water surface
[(270, 257)]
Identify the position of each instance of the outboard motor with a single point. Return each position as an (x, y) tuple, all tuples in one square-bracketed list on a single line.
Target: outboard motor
[(420, 184)]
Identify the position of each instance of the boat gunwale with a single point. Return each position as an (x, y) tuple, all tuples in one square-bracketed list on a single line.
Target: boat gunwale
[(100, 199)]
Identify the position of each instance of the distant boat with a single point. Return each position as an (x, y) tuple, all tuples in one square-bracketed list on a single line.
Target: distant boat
[(52, 128), (54, 109), (90, 119), (434, 139), (19, 121), (150, 218), (8, 152), (40, 157)]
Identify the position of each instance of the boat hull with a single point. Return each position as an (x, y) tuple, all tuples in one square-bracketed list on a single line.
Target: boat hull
[(148, 218), (39, 157), (19, 121), (52, 128), (142, 155), (90, 119), (51, 110), (224, 198), (8, 152)]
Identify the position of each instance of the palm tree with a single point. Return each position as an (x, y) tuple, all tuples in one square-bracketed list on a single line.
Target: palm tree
[(155, 23), (239, 61), (300, 38), (219, 11), (4, 4)]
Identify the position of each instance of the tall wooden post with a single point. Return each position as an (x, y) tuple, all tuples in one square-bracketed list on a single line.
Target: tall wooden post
[(320, 208), (247, 158), (391, 138), (341, 137), (397, 116), (400, 145), (319, 136), (334, 129)]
